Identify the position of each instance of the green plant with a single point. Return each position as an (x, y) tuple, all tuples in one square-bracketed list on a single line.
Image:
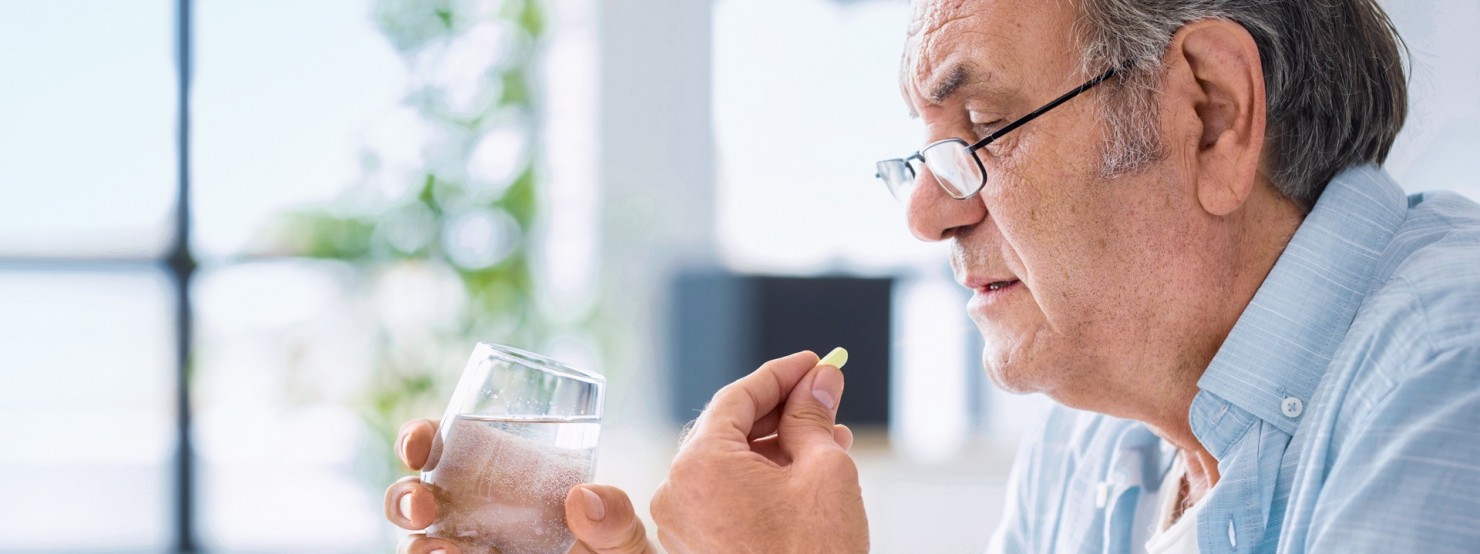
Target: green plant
[(458, 226)]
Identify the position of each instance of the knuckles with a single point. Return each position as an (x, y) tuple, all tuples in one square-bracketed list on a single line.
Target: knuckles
[(661, 505), (838, 463), (689, 471), (810, 414)]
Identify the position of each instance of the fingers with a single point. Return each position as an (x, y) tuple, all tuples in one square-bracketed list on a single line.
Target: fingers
[(843, 436), (809, 414), (418, 543), (734, 410), (766, 425), (603, 521), (414, 442), (770, 447), (409, 504)]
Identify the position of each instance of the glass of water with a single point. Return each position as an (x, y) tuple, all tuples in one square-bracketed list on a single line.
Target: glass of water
[(520, 431)]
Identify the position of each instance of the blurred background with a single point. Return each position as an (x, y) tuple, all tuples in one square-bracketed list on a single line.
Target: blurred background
[(241, 241)]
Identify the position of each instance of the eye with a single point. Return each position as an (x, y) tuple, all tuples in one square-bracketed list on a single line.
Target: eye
[(981, 130), (985, 129)]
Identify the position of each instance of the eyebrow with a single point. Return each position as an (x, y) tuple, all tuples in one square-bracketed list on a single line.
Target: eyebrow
[(957, 77)]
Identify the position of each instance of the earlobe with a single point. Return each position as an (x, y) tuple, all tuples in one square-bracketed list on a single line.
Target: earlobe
[(1221, 196), (1223, 62)]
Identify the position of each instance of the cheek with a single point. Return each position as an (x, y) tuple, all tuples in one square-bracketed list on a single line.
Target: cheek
[(1042, 226), (1042, 187), (1055, 241)]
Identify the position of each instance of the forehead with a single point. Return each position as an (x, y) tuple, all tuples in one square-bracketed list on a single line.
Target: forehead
[(1001, 40)]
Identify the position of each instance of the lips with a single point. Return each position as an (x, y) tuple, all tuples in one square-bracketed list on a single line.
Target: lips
[(995, 289), (999, 285), (988, 284), (988, 292)]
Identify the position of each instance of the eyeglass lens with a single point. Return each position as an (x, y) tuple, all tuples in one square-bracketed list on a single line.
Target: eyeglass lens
[(954, 167), (898, 176)]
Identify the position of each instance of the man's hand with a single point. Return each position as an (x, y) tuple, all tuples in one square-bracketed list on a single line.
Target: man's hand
[(766, 470), (601, 517)]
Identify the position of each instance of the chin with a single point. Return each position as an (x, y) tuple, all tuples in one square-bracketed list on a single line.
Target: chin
[(1012, 355), (1010, 375)]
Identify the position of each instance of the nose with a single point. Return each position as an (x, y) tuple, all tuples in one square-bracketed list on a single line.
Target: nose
[(934, 216)]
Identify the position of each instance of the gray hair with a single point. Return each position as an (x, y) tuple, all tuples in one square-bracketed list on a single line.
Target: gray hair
[(1333, 75)]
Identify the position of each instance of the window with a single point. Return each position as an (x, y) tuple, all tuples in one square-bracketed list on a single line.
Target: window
[(290, 101), (87, 191)]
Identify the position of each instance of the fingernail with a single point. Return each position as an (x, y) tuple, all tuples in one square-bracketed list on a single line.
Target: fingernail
[(405, 503), (401, 448), (828, 386), (595, 508), (438, 551)]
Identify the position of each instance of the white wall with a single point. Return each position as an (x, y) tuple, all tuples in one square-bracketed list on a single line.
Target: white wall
[(1440, 146)]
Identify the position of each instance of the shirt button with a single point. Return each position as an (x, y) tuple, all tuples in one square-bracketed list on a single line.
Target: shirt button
[(1292, 407), (1232, 538)]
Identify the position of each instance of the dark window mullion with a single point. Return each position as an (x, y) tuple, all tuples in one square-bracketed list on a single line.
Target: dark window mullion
[(182, 267)]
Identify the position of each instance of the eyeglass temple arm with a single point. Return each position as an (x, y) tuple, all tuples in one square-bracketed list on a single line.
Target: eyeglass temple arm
[(1049, 106)]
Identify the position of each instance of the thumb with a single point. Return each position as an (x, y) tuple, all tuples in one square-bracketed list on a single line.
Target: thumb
[(810, 411), (602, 519)]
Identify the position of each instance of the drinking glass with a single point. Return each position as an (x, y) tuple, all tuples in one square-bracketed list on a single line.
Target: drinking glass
[(520, 431)]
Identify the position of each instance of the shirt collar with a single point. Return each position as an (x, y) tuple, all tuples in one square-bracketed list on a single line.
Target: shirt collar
[(1273, 359)]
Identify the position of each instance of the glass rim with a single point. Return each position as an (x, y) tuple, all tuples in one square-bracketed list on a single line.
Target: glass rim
[(524, 357)]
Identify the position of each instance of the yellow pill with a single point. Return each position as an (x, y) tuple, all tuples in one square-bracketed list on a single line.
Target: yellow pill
[(836, 358)]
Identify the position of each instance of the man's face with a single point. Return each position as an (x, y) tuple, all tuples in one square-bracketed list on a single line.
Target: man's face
[(1078, 279)]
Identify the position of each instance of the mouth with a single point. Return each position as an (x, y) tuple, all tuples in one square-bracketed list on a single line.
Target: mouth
[(999, 285), (986, 294), (988, 284)]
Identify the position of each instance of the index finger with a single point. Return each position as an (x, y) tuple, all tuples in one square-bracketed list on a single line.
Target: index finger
[(736, 407), (414, 442)]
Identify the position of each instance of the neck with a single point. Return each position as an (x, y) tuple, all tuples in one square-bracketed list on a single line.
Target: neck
[(1257, 235), (1202, 473), (1202, 466)]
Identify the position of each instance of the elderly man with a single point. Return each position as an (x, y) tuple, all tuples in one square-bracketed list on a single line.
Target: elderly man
[(1173, 222)]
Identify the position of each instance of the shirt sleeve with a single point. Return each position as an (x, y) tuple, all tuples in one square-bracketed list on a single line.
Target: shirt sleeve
[(1407, 476), (1021, 510), (1011, 534)]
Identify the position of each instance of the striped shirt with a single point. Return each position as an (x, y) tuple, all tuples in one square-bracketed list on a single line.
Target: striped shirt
[(1343, 408)]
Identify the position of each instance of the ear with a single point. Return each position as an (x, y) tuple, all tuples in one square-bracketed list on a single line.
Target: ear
[(1216, 71)]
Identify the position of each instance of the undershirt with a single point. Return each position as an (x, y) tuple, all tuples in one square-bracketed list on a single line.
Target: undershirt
[(1181, 536)]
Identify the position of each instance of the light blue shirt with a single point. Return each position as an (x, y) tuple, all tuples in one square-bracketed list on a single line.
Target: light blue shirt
[(1343, 408)]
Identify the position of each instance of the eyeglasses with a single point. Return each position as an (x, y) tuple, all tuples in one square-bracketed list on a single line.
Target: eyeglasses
[(953, 163)]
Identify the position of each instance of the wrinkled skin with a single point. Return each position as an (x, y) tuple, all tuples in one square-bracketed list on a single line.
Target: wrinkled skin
[(1119, 289)]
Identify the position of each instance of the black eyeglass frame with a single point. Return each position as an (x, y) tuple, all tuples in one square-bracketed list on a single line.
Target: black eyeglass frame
[(973, 148)]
